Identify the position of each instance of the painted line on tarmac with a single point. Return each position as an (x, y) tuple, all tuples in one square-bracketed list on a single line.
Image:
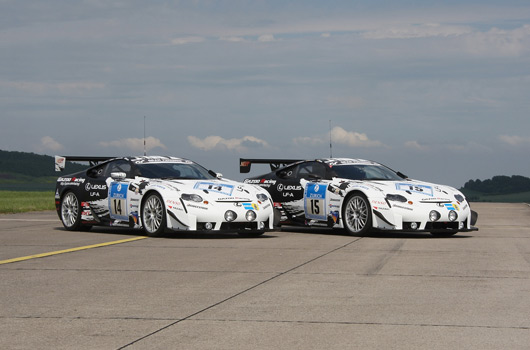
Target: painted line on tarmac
[(43, 255)]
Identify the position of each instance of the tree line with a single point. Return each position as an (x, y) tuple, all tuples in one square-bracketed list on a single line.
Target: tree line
[(500, 185), (32, 164)]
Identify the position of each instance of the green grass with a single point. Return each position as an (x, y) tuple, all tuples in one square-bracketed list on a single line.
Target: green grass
[(24, 201)]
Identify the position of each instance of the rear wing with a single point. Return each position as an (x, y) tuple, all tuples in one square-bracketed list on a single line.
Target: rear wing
[(60, 161), (275, 164)]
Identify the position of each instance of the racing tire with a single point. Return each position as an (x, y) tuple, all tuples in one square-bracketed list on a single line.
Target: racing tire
[(153, 215), (70, 210), (357, 214)]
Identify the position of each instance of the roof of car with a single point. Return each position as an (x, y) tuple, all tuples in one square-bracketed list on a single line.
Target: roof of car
[(157, 159), (346, 161)]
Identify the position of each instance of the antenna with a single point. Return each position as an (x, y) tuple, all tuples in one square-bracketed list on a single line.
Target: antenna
[(145, 151), (330, 149)]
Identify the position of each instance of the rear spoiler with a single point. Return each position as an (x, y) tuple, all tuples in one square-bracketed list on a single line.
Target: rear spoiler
[(60, 161), (275, 164)]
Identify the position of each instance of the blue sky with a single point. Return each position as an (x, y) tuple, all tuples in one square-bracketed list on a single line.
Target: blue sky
[(437, 90)]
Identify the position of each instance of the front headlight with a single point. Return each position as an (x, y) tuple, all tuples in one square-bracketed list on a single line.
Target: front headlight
[(460, 198), (262, 197), (250, 215), (230, 215), (396, 198), (191, 197), (434, 215)]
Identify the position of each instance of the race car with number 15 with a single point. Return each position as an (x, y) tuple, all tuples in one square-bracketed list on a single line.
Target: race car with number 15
[(359, 196)]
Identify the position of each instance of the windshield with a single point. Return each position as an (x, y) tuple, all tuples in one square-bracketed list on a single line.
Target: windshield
[(365, 172), (174, 171)]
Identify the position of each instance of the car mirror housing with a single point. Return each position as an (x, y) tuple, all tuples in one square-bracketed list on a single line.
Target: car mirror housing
[(118, 176)]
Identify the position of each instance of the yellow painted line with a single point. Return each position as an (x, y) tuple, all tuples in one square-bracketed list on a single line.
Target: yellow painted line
[(42, 255)]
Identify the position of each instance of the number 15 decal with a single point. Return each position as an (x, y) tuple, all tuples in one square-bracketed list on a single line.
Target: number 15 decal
[(118, 201), (315, 201)]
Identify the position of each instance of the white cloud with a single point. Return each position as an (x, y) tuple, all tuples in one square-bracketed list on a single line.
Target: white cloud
[(514, 140), (266, 38), (411, 31), (135, 144), (48, 143), (340, 136), (187, 40), (217, 142), (416, 146), (234, 39), (500, 42)]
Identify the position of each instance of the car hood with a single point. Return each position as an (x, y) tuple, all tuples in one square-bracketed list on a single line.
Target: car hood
[(416, 190), (215, 189)]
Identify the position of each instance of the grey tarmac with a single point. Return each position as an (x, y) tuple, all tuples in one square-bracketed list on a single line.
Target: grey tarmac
[(289, 289)]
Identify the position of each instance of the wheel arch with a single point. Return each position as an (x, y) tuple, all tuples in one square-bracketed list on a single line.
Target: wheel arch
[(146, 194), (358, 191), (350, 193)]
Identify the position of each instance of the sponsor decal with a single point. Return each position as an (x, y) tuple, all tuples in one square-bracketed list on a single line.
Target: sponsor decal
[(196, 206), (71, 181), (450, 206), (89, 187), (315, 201), (402, 207), (281, 188), (118, 201), (416, 188), (225, 189), (335, 216), (250, 206)]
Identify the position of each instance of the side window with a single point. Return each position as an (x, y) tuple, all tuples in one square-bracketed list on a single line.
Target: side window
[(119, 166), (311, 168), (98, 171), (288, 173)]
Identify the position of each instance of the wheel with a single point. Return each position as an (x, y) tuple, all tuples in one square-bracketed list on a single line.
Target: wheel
[(153, 215), (357, 214), (71, 212)]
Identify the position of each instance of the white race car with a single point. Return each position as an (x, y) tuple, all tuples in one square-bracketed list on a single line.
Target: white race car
[(159, 193), (359, 195)]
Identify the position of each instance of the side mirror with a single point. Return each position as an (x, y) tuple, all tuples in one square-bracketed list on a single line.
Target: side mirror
[(219, 176), (118, 176)]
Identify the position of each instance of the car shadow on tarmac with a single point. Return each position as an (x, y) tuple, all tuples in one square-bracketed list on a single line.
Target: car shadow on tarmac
[(374, 234), (124, 231)]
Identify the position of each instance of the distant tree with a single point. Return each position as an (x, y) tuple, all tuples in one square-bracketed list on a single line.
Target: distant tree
[(32, 164), (500, 184)]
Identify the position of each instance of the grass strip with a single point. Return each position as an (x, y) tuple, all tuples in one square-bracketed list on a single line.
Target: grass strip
[(24, 201)]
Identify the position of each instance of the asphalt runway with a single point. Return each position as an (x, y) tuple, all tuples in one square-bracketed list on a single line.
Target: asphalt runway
[(296, 289)]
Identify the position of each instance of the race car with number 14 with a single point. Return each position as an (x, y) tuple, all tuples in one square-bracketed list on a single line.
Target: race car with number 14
[(158, 194)]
